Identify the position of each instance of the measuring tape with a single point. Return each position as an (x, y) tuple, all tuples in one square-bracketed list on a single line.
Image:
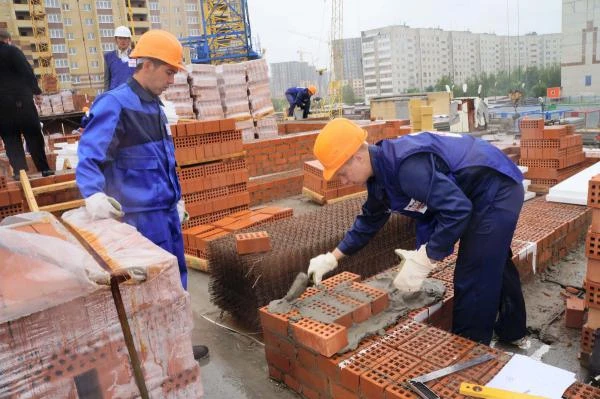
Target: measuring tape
[(478, 391)]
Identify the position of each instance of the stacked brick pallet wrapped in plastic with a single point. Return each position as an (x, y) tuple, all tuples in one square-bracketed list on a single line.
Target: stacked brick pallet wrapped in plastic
[(179, 94), (551, 153), (234, 91), (240, 284), (59, 328), (205, 91), (259, 97)]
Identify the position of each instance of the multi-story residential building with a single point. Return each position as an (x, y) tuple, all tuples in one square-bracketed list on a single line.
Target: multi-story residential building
[(399, 58), (294, 73), (580, 62), (352, 74), (80, 31)]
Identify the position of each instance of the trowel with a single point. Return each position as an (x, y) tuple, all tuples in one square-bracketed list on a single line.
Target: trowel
[(298, 287)]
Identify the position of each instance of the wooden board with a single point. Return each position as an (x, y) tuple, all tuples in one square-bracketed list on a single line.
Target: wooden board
[(320, 199), (196, 263)]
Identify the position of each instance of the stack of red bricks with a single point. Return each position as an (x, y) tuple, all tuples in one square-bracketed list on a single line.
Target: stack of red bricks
[(328, 190), (212, 169), (302, 352), (592, 277), (11, 199), (397, 127), (67, 139), (197, 239), (551, 153)]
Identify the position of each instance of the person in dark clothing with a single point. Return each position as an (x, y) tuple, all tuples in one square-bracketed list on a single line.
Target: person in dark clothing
[(18, 114), (300, 97), (456, 187)]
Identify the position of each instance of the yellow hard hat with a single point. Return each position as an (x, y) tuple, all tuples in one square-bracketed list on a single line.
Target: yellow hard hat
[(161, 45), (337, 142), (312, 89)]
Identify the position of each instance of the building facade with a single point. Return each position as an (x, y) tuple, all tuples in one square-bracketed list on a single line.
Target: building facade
[(294, 73), (352, 66), (580, 62), (81, 31), (397, 59)]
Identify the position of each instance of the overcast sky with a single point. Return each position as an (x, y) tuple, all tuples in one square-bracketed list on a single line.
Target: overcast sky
[(285, 27)]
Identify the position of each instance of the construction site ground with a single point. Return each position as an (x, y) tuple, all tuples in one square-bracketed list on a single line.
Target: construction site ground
[(236, 367)]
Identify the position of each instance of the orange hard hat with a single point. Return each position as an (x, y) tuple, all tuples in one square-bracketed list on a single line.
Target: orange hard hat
[(161, 45), (312, 89), (337, 142)]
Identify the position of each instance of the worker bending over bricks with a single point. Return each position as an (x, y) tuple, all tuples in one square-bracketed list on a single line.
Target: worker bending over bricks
[(457, 187), (126, 155)]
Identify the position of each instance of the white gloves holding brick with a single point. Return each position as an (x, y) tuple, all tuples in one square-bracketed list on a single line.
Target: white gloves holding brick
[(321, 265), (101, 206), (415, 268)]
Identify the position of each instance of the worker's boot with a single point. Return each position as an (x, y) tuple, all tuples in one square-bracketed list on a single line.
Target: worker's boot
[(200, 351), (48, 172)]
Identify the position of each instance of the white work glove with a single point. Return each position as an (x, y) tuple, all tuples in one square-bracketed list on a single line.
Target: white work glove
[(183, 215), (101, 206), (415, 268), (321, 265)]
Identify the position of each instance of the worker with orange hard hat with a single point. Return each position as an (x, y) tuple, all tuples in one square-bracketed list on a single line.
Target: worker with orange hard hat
[(126, 154), (300, 97), (456, 187)]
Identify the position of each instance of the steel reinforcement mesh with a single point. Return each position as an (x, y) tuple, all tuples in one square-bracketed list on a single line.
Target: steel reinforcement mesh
[(240, 284)]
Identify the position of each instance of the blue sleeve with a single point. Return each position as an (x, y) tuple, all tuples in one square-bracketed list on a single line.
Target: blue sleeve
[(373, 217), (95, 143), (419, 179)]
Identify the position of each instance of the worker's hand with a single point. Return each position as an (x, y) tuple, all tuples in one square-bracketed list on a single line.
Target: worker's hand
[(321, 265), (416, 265), (101, 206), (183, 215)]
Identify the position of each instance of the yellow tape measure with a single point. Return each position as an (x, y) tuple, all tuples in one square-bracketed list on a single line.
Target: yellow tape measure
[(479, 391)]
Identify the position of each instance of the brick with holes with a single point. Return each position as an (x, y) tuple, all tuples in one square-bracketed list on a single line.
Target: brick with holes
[(326, 339), (251, 243)]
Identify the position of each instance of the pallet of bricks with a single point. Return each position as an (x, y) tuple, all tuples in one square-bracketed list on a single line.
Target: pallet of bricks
[(322, 191), (591, 329), (551, 153)]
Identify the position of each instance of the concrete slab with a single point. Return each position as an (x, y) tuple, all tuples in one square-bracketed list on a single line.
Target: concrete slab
[(574, 190)]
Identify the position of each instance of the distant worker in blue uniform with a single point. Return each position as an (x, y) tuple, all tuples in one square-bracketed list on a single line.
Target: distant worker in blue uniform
[(300, 97), (118, 66), (126, 154), (457, 187)]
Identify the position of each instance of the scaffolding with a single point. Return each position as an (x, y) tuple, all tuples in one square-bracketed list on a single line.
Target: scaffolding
[(41, 41), (336, 45)]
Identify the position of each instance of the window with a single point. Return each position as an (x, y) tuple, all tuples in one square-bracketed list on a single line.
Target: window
[(106, 33), (194, 32), (52, 4), (192, 20), (70, 36), (68, 22), (56, 33), (75, 79), (59, 48), (61, 63), (87, 7), (91, 36), (74, 65), (72, 51), (103, 5), (155, 19), (89, 22), (190, 7), (93, 50), (153, 5), (108, 46), (588, 80), (64, 77), (106, 19), (54, 18), (94, 64)]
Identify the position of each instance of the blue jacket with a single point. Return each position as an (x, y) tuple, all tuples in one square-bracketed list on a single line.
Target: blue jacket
[(300, 94), (116, 72), (445, 181), (127, 152)]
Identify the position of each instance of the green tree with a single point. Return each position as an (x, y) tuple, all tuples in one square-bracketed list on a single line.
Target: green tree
[(348, 96)]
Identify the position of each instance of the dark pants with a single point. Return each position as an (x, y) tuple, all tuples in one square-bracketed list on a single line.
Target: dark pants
[(487, 289), (292, 101), (18, 115), (163, 228)]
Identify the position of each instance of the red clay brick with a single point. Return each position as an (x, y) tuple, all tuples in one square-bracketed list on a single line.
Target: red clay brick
[(325, 339), (307, 358), (292, 383), (373, 384), (310, 379), (425, 341), (275, 373), (363, 360), (379, 299), (339, 392), (339, 278), (575, 308), (255, 242), (276, 323), (593, 199), (401, 333), (309, 393), (449, 351), (276, 359)]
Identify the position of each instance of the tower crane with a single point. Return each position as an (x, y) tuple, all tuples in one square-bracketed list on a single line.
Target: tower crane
[(337, 58), (41, 41)]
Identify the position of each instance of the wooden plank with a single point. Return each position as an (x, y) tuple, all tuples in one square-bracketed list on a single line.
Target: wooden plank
[(54, 187), (320, 199), (29, 196), (346, 197), (196, 263), (62, 206)]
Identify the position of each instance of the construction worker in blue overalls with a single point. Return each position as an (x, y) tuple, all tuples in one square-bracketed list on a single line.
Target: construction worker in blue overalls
[(300, 97), (457, 187), (118, 66), (126, 155)]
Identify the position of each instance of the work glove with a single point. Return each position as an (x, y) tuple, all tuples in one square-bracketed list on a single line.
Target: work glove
[(183, 215), (101, 206), (415, 268), (321, 265)]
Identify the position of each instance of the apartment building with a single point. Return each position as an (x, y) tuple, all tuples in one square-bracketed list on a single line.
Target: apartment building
[(81, 31), (294, 73), (399, 58), (352, 65), (580, 63)]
